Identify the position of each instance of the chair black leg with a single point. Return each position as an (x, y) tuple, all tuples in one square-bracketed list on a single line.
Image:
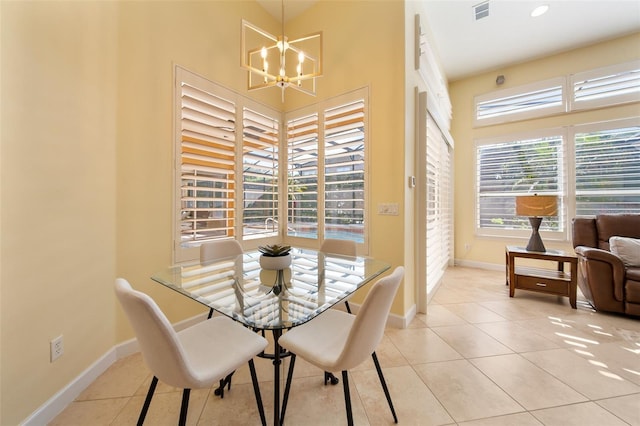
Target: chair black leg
[(346, 303), (384, 386), (287, 388), (224, 382), (330, 378), (184, 407), (256, 391), (147, 401), (210, 313), (347, 397)]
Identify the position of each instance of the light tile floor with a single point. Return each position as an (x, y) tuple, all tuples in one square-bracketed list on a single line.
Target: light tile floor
[(477, 358)]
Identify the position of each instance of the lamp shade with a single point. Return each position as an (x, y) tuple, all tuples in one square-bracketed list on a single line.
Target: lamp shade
[(537, 205)]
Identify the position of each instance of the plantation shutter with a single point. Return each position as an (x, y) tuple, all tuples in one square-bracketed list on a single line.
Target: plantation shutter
[(525, 102), (521, 103), (344, 168), (259, 174), (438, 214), (302, 203), (207, 166), (522, 167), (608, 171), (606, 86)]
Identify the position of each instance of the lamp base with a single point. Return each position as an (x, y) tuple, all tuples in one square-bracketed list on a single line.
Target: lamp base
[(535, 242)]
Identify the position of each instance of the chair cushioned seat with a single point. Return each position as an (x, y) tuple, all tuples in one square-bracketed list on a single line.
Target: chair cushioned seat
[(221, 339), (321, 342)]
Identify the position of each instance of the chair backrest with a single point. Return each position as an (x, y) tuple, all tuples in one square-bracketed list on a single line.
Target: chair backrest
[(213, 250), (158, 341), (343, 247), (368, 327)]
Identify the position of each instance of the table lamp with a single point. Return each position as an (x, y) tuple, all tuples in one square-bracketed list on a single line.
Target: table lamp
[(536, 207)]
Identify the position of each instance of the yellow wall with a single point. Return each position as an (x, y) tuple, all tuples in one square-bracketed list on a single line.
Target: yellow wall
[(87, 158), (204, 37), (58, 177), (491, 251)]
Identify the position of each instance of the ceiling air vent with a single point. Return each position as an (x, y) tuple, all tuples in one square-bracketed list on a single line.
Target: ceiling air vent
[(481, 10)]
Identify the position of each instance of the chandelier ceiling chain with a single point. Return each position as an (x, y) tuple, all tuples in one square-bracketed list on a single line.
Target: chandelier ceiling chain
[(259, 48)]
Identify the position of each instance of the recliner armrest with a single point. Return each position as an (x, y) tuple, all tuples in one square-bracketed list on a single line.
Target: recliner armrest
[(594, 255)]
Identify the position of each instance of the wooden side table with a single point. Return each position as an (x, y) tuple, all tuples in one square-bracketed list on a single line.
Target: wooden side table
[(549, 281)]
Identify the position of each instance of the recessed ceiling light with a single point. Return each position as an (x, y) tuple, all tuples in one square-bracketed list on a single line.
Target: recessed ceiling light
[(540, 10)]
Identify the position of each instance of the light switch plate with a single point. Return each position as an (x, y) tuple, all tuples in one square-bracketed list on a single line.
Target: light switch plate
[(388, 209)]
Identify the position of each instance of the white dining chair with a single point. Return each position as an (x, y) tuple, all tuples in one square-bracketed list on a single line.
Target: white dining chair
[(340, 247), (338, 341), (193, 358), (219, 249)]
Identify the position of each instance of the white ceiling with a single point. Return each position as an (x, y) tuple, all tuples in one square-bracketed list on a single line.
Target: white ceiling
[(509, 34)]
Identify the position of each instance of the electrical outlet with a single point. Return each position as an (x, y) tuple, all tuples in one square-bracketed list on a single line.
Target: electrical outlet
[(57, 348)]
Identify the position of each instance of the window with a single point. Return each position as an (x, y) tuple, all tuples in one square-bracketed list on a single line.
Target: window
[(607, 162), (612, 85), (326, 149), (439, 221), (209, 155), (344, 143), (606, 86), (602, 161), (261, 138), (207, 166), (520, 103), (302, 164), (518, 166), (229, 167)]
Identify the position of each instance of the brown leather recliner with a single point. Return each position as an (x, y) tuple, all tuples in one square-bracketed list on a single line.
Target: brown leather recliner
[(602, 276)]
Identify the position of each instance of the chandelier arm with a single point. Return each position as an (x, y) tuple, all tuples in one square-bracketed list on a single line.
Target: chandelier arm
[(256, 60)]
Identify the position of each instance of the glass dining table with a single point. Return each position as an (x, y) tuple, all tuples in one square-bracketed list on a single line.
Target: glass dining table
[(275, 301)]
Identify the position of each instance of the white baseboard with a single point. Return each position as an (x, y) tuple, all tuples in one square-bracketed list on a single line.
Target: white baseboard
[(479, 265), (394, 320), (65, 396)]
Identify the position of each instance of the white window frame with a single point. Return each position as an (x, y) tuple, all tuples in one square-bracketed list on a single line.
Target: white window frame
[(183, 252), (560, 235), (625, 79), (611, 85), (320, 108), (189, 251), (588, 128), (567, 201), (517, 92)]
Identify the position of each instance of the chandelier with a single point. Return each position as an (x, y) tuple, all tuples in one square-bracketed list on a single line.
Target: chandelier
[(278, 61)]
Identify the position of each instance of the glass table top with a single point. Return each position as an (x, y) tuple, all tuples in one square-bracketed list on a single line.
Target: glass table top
[(238, 288)]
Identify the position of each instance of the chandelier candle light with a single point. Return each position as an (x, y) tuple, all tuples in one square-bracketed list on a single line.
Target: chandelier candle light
[(535, 207), (298, 61)]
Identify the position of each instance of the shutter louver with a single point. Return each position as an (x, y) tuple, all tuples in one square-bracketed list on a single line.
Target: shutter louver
[(520, 103), (207, 166), (260, 174), (438, 213), (344, 168), (302, 204), (613, 85), (506, 170), (608, 171)]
